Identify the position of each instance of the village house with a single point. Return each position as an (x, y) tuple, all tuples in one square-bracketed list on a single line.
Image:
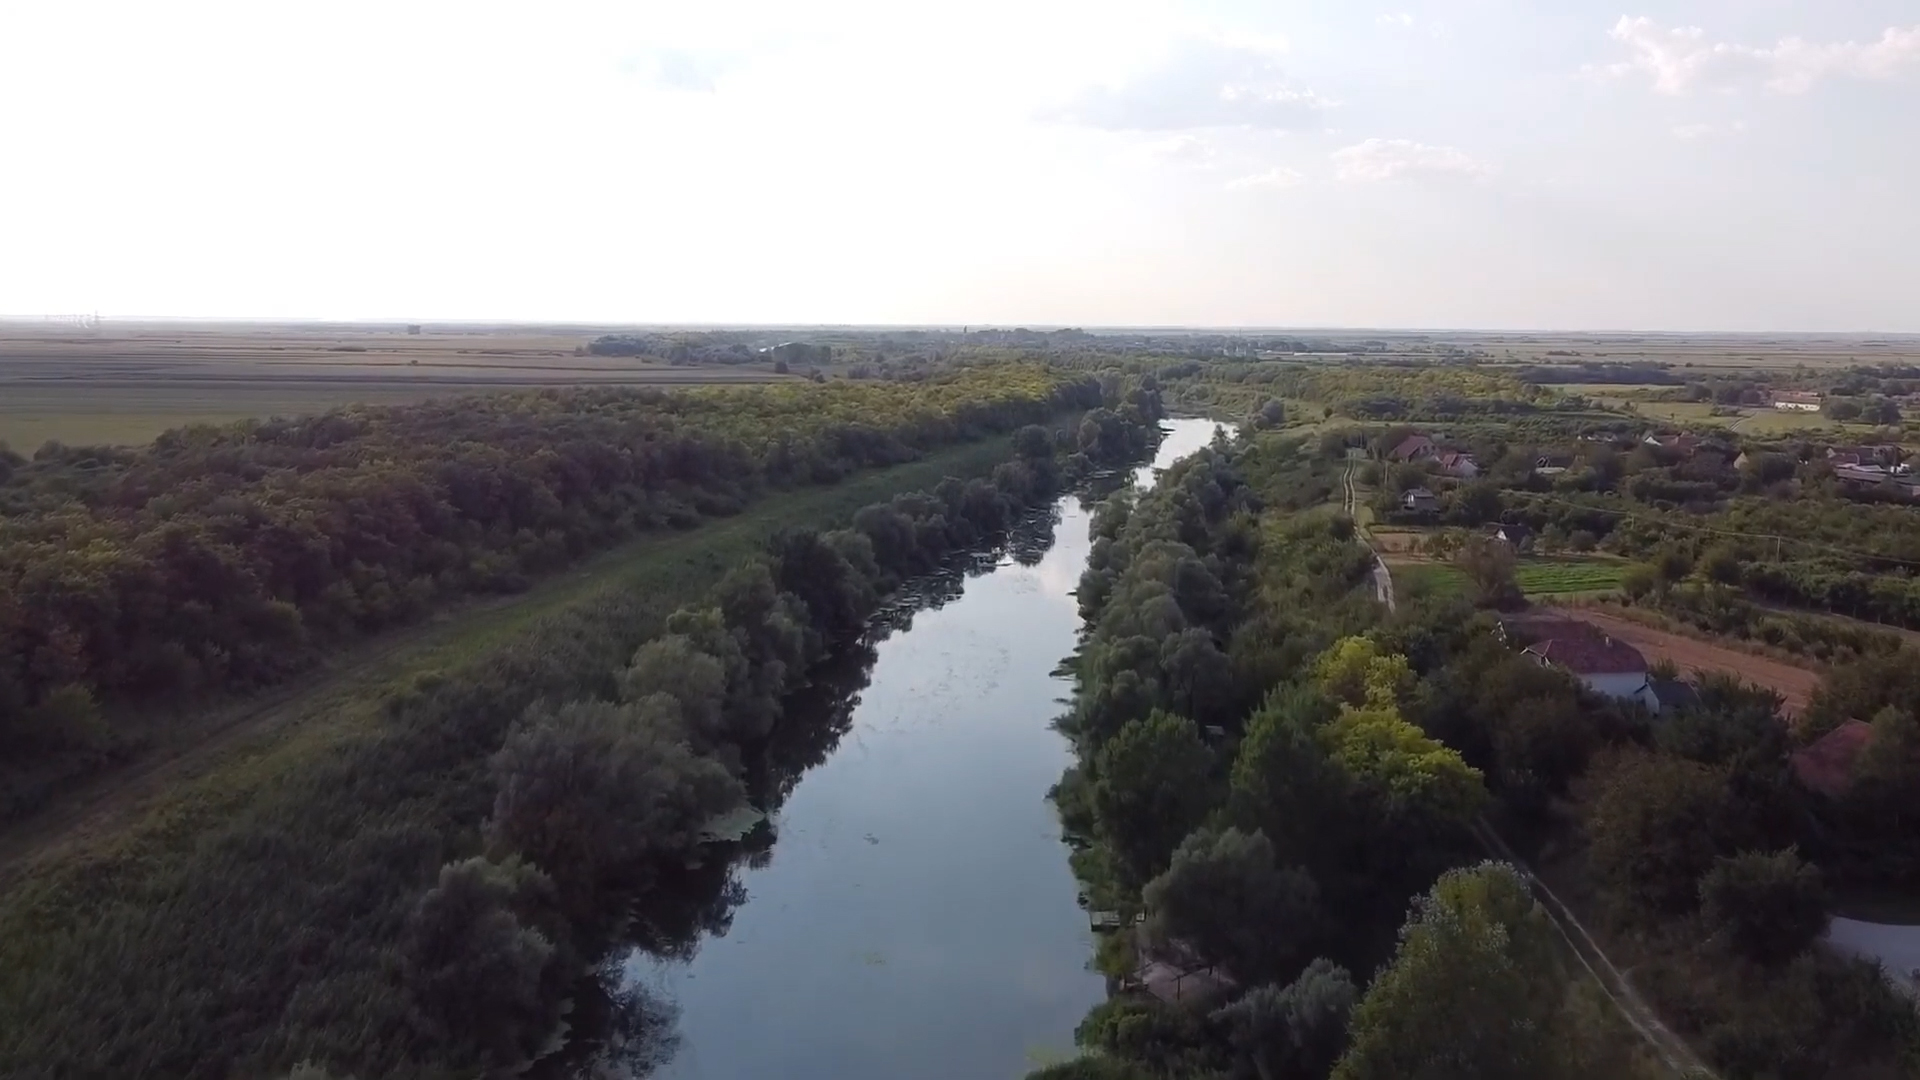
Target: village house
[(1412, 448), (1603, 664), (1862, 474), (1885, 457), (1419, 500), (1684, 445), (1458, 463), (1796, 401), (1551, 464)]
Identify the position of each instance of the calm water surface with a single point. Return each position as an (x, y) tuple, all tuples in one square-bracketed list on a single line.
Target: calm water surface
[(915, 915)]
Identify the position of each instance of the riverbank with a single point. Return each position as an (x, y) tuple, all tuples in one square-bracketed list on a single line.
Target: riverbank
[(185, 931), (909, 912)]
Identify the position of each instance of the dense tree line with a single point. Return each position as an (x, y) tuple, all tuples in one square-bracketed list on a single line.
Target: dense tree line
[(456, 867), (596, 796), (1335, 768), (227, 557), (1283, 846)]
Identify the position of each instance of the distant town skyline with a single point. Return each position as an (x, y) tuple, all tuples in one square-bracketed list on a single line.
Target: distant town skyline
[(1709, 165)]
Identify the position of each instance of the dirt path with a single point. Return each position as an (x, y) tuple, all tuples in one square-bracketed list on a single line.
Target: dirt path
[(1382, 579), (1671, 1048), (1795, 684)]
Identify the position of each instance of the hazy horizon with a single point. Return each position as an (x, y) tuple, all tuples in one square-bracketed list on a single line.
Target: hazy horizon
[(1453, 166), (398, 323)]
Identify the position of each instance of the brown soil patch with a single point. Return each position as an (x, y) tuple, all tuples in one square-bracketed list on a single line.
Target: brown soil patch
[(1795, 684), (1394, 543)]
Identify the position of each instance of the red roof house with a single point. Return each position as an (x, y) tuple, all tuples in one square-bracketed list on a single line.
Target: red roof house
[(1412, 448), (1826, 764), (1589, 654), (1606, 665), (1683, 445)]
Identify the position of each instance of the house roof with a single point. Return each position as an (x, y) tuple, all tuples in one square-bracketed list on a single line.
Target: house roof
[(1826, 765), (1450, 458), (1683, 443), (1513, 532), (1590, 653), (1870, 474), (1411, 445), (1800, 397), (1418, 493)]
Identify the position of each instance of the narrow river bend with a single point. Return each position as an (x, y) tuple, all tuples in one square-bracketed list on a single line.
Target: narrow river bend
[(915, 915)]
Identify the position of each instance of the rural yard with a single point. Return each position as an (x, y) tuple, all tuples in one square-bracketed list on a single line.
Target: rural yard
[(1691, 654)]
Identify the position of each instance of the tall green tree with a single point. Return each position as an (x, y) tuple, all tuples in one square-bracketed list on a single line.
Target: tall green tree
[(1225, 897), (1473, 991), (1151, 786), (1295, 1032), (1656, 824), (593, 790), (479, 976), (1285, 785), (1768, 907)]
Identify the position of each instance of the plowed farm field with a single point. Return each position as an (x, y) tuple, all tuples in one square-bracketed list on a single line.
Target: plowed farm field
[(1793, 683)]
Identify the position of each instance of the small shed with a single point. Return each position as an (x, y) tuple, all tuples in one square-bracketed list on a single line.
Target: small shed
[(1518, 537)]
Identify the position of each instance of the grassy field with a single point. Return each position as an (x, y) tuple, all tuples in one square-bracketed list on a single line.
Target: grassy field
[(81, 415), (1612, 391), (1429, 579), (124, 384), (1539, 575), (1554, 576), (168, 905)]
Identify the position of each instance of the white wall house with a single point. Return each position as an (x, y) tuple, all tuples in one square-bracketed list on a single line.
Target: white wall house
[(1605, 665)]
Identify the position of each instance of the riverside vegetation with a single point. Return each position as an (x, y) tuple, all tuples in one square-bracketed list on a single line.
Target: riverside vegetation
[(1352, 755), (230, 557), (1284, 779), (415, 894)]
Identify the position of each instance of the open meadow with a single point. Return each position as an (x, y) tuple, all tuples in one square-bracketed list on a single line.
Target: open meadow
[(124, 383), (1537, 576)]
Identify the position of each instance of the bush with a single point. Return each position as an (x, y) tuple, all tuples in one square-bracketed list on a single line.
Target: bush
[(1768, 907), (478, 976)]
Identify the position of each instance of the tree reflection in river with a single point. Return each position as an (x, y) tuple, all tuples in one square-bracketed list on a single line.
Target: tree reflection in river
[(623, 1030)]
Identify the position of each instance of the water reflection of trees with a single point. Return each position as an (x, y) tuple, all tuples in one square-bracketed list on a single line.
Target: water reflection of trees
[(621, 1029)]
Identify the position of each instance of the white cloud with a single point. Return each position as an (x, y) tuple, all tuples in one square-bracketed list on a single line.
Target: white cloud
[(1680, 59), (1202, 83), (1691, 132), (1385, 159), (1275, 179), (679, 69), (1399, 19), (1182, 149)]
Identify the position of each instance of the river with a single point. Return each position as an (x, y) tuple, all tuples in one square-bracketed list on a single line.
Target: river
[(914, 914)]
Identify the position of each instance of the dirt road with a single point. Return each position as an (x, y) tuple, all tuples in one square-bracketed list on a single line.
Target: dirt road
[(1795, 684), (1669, 1047), (1382, 578)]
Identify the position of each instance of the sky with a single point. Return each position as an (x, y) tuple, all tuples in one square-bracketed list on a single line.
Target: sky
[(1625, 164)]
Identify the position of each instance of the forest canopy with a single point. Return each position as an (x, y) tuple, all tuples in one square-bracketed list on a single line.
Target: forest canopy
[(228, 556)]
